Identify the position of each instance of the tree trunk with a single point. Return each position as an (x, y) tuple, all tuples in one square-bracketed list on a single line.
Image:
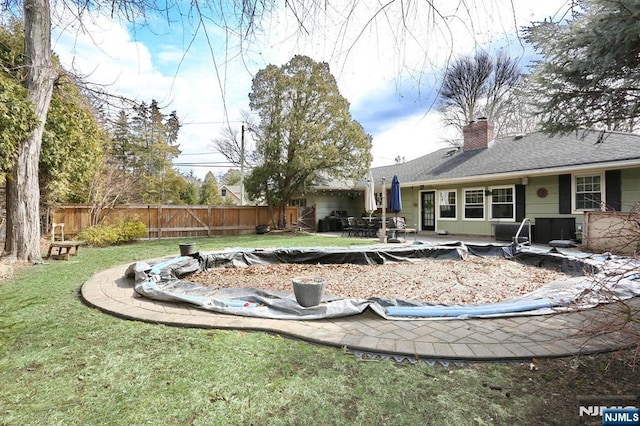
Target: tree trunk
[(23, 190), (282, 216)]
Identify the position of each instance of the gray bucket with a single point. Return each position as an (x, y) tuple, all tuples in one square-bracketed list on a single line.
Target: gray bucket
[(187, 248), (308, 290)]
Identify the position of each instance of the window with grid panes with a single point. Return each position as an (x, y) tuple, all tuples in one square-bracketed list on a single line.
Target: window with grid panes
[(588, 192), (474, 203), (502, 203), (448, 204)]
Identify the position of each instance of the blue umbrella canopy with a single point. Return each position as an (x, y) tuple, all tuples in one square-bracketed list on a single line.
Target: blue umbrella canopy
[(395, 201)]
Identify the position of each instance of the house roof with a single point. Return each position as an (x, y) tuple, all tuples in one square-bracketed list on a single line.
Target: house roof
[(233, 189), (326, 182), (525, 155)]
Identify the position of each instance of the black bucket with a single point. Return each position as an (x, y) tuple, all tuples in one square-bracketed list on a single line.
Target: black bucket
[(263, 229), (187, 248)]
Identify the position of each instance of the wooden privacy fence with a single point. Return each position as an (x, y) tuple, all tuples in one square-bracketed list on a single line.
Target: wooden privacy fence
[(176, 221)]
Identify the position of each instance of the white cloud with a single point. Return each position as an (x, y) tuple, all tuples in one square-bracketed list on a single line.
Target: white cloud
[(105, 51), (367, 59), (410, 138)]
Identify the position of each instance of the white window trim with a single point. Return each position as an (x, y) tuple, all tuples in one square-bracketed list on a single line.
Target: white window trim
[(603, 191), (490, 204), (464, 205), (438, 205)]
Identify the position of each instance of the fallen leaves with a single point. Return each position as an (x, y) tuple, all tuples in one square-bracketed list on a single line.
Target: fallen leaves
[(470, 281)]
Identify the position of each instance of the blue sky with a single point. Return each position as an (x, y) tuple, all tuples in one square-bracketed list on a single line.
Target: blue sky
[(386, 71)]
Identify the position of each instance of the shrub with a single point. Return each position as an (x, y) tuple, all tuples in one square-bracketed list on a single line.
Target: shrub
[(131, 230), (107, 235)]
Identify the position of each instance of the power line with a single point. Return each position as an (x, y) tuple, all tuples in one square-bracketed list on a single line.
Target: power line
[(206, 164), (198, 153), (195, 166), (210, 122)]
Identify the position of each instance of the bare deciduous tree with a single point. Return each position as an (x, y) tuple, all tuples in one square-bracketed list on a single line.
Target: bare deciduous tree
[(230, 143), (483, 86), (618, 233), (109, 186)]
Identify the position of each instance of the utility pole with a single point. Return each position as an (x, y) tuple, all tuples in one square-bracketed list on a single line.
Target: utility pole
[(383, 237), (242, 166)]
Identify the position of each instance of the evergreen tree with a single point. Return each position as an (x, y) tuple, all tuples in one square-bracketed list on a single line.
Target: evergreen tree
[(122, 147), (17, 119), (145, 146), (72, 145), (590, 74), (72, 141), (190, 192), (306, 133), (210, 192), (17, 114)]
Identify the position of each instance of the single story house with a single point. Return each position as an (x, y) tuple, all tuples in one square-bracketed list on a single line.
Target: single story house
[(488, 186)]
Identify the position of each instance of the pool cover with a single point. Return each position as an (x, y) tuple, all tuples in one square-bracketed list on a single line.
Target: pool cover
[(593, 279)]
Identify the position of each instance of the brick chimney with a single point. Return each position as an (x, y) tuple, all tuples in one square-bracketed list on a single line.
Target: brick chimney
[(477, 134)]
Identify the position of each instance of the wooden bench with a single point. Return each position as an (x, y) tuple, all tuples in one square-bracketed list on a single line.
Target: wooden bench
[(64, 249)]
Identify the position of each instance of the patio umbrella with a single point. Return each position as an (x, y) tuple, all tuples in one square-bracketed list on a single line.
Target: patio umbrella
[(395, 202), (395, 205), (369, 196)]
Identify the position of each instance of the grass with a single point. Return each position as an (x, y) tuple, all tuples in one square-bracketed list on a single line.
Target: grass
[(62, 362)]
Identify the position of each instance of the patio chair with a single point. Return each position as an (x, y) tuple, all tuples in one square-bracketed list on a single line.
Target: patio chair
[(346, 226), (399, 227), (54, 227), (395, 227), (355, 227), (371, 227)]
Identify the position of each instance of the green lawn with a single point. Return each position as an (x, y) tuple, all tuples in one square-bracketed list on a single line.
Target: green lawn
[(62, 362)]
